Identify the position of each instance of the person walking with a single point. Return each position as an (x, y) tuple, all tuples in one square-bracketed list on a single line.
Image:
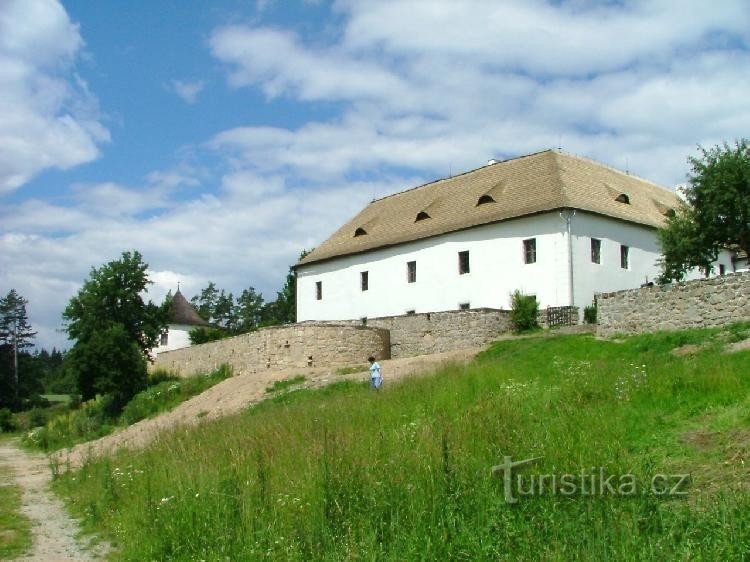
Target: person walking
[(376, 378)]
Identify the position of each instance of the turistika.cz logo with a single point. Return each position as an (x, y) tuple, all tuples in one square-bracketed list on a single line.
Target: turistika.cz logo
[(587, 482)]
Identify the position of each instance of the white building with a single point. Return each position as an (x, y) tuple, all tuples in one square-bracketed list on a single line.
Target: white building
[(182, 319), (553, 225)]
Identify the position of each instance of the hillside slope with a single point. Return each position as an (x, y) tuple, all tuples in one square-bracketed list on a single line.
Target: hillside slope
[(629, 449), (236, 394)]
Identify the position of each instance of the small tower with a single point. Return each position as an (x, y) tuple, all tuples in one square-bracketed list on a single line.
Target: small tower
[(182, 319)]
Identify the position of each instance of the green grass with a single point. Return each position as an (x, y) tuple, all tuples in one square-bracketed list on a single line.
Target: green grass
[(57, 398), (344, 473), (286, 383), (351, 370), (91, 421), (15, 529)]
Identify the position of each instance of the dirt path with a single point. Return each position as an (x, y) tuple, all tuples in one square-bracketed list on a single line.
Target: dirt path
[(54, 532), (237, 393)]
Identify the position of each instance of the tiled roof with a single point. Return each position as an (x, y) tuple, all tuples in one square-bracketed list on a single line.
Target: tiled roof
[(182, 312), (539, 182)]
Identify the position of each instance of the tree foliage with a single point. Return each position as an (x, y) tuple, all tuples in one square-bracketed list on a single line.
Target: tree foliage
[(524, 310), (16, 336), (716, 214), (114, 329), (247, 312)]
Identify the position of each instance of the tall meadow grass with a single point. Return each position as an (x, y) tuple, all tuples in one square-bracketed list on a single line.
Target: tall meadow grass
[(345, 473)]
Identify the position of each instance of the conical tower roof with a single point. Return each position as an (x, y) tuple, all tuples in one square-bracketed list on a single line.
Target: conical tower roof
[(182, 312)]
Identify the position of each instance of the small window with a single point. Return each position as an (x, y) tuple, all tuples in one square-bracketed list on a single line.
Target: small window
[(596, 250), (364, 280), (411, 312), (360, 232), (670, 213), (624, 257), (411, 272), (164, 340), (319, 290), (485, 199), (722, 269), (464, 306), (623, 198), (529, 250), (463, 262), (421, 215)]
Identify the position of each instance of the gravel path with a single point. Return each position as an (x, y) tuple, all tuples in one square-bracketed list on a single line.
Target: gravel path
[(54, 532)]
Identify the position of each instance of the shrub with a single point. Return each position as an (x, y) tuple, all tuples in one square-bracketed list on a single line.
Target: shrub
[(205, 335), (7, 423), (524, 311), (589, 314)]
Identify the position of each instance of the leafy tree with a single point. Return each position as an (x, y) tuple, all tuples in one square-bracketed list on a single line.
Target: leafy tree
[(249, 310), (15, 336), (114, 329), (109, 363), (284, 309), (224, 314), (205, 303), (716, 214), (682, 246)]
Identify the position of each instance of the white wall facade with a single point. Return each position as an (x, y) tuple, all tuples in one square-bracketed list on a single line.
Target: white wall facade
[(177, 338), (608, 275), (497, 268)]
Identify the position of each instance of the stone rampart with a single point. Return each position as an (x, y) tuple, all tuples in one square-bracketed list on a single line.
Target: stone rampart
[(701, 303), (281, 347), (437, 332)]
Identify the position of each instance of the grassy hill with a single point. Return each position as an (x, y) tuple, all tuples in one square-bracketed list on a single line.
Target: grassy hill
[(347, 473)]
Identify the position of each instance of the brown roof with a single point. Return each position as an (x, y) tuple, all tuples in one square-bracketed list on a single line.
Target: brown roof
[(539, 182), (182, 312)]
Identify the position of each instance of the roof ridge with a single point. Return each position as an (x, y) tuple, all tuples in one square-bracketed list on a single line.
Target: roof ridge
[(575, 156), (521, 156)]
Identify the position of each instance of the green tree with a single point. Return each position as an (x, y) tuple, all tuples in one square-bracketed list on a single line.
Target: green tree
[(15, 337), (224, 314), (716, 214), (284, 309), (249, 310), (205, 303), (110, 363), (108, 314)]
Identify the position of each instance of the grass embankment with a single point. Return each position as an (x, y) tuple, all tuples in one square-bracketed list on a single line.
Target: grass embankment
[(91, 420), (346, 473), (15, 529)]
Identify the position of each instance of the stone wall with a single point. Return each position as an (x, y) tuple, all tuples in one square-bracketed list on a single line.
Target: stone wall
[(694, 304), (281, 347), (437, 332)]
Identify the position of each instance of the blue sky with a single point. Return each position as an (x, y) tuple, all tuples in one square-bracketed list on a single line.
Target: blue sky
[(221, 138)]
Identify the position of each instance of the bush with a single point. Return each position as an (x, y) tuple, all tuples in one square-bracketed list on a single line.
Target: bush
[(7, 423), (589, 314), (109, 363), (205, 335), (524, 311)]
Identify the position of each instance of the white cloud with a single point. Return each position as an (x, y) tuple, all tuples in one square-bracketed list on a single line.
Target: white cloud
[(412, 91), (188, 91), (48, 118)]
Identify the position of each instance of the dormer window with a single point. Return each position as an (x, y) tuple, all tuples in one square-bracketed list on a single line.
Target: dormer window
[(670, 213), (485, 199), (623, 198), (360, 232), (422, 215)]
